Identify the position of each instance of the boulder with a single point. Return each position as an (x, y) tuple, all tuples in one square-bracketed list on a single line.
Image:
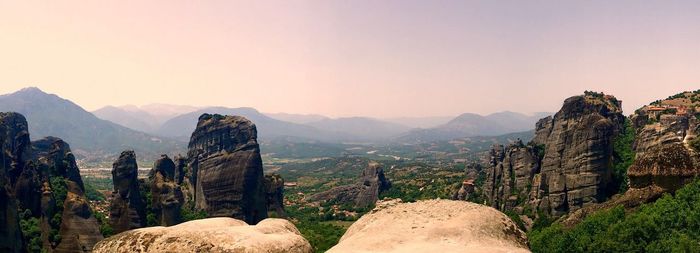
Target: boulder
[(224, 157), (432, 226), (210, 235), (127, 210)]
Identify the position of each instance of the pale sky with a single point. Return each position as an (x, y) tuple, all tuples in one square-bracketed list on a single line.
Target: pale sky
[(351, 58)]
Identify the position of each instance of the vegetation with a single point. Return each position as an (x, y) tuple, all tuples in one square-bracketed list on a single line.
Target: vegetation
[(31, 231), (695, 144), (93, 194), (321, 235), (105, 228), (623, 157), (671, 224), (60, 192), (189, 213)]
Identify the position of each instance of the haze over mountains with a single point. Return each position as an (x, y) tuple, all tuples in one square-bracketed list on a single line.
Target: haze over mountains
[(50, 115), (162, 128)]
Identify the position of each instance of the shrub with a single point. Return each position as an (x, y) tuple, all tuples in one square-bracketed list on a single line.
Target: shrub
[(671, 224)]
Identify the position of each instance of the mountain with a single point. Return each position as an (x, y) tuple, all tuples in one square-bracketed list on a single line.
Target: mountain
[(420, 122), (470, 124), (147, 118), (297, 118), (181, 127), (361, 128), (50, 115)]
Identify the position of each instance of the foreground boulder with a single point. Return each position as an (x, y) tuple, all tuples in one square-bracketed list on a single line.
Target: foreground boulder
[(224, 157), (210, 235), (432, 226)]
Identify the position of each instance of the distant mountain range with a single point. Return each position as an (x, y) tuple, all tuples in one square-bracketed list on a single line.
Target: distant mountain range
[(181, 127), (160, 128), (469, 124), (147, 118), (89, 136)]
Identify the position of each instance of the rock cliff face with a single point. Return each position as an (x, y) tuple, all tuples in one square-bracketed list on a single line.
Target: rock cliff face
[(432, 226), (566, 166), (10, 129), (43, 178), (216, 235), (666, 143), (127, 211), (274, 188), (79, 230), (224, 157), (364, 193), (166, 196), (511, 172)]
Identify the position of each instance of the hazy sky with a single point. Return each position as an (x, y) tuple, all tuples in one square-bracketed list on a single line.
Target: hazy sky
[(345, 58)]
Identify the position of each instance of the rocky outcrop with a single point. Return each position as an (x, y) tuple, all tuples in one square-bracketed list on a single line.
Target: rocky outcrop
[(666, 143), (567, 165), (363, 194), (44, 179), (274, 188), (432, 226), (224, 157), (211, 235), (166, 196), (576, 168), (78, 230), (127, 210), (509, 178), (11, 127)]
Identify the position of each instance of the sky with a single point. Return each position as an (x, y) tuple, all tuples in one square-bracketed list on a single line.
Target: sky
[(373, 58)]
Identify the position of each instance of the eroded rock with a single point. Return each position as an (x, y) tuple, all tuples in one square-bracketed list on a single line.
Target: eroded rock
[(127, 210), (224, 157)]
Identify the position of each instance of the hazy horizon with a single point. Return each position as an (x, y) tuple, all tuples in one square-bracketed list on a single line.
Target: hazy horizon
[(360, 58)]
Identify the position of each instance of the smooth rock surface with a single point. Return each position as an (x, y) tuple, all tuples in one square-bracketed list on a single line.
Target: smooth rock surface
[(215, 235), (432, 226)]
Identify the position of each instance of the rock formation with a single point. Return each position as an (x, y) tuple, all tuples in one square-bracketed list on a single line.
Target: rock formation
[(216, 235), (43, 178), (224, 157), (566, 166), (166, 196), (127, 211), (274, 188), (363, 194), (79, 230), (11, 128), (432, 226), (511, 172), (666, 143)]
